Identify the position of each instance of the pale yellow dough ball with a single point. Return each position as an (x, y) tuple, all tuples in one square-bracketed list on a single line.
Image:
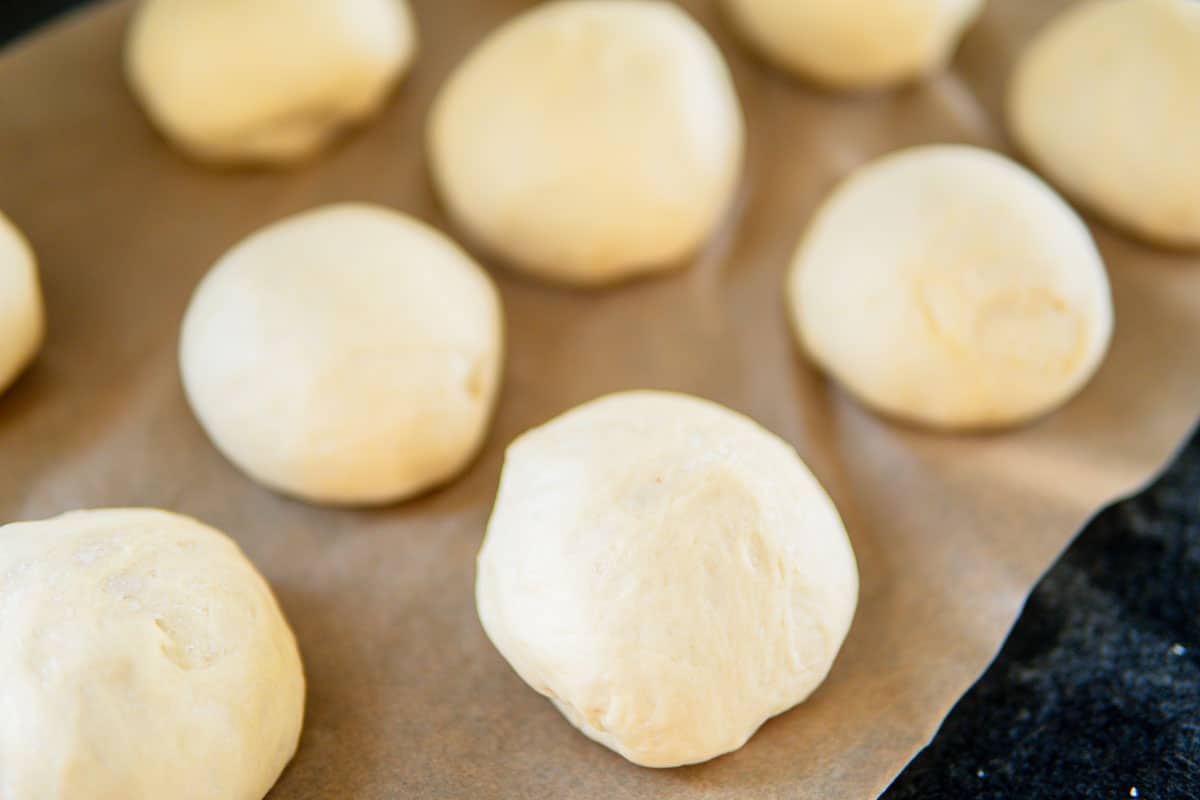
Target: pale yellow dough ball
[(588, 141), (1106, 101), (265, 81), (667, 572), (141, 656), (855, 44), (948, 286), (347, 355), (22, 316)]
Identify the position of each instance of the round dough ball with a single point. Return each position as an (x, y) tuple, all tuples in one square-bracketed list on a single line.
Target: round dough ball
[(346, 355), (22, 318), (265, 81), (855, 44), (141, 656), (667, 572), (949, 286), (588, 141), (1106, 100)]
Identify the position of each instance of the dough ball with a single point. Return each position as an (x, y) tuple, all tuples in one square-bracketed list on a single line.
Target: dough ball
[(265, 81), (949, 286), (1106, 100), (22, 319), (346, 355), (667, 572), (587, 141), (141, 656), (855, 44)]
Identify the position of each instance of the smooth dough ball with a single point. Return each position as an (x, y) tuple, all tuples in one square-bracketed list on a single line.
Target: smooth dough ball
[(855, 44), (588, 141), (265, 81), (346, 355), (141, 656), (22, 318), (1106, 100), (667, 572), (949, 286)]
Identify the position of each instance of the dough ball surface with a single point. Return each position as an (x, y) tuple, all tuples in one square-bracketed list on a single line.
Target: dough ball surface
[(141, 656), (265, 81), (1106, 101), (667, 572), (948, 286), (22, 318), (588, 141), (345, 355), (855, 44)]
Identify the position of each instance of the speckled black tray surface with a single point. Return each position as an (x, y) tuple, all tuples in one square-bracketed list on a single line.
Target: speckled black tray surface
[(1096, 694)]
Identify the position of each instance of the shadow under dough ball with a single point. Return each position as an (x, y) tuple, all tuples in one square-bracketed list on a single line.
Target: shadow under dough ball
[(141, 656), (589, 141)]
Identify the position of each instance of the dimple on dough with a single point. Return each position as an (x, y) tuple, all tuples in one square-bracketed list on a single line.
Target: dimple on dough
[(855, 44), (1106, 101), (22, 316), (667, 572), (589, 141), (141, 656), (347, 355), (948, 286), (265, 81)]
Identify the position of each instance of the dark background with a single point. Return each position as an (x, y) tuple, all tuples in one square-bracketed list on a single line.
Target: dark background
[(1096, 693), (19, 16)]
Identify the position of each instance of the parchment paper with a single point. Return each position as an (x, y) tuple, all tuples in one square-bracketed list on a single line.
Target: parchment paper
[(407, 698)]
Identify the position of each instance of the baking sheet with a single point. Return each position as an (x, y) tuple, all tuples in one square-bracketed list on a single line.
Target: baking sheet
[(406, 696)]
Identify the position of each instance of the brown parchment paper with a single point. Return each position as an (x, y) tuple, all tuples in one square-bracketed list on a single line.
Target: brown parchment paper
[(406, 696)]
